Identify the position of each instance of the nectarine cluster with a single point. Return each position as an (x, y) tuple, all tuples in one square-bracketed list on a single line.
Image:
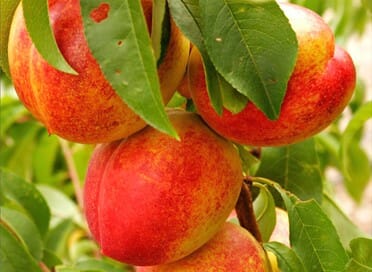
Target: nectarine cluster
[(154, 201)]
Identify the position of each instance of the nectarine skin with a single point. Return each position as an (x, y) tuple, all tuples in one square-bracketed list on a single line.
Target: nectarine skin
[(151, 199), (82, 108), (319, 89), (232, 249)]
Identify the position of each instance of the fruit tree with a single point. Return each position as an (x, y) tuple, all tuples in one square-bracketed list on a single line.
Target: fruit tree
[(169, 135)]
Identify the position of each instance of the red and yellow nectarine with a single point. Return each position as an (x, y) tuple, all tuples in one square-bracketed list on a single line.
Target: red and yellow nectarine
[(319, 88), (232, 249), (82, 108), (151, 199)]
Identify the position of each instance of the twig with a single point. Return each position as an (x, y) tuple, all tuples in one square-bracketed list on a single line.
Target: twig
[(245, 212), (72, 172)]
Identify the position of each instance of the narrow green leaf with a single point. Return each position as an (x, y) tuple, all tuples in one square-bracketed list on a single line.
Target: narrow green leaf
[(361, 249), (160, 30), (264, 209), (13, 256), (61, 206), (314, 238), (38, 26), (288, 260), (28, 197), (24, 229), (346, 229), (354, 161), (295, 167), (253, 46), (186, 14), (123, 50), (6, 16), (232, 100)]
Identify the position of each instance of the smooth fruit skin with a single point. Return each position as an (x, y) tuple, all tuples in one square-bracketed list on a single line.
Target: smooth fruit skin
[(319, 88), (232, 249), (151, 199), (82, 108)]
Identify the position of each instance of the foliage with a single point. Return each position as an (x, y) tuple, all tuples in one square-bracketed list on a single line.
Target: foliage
[(42, 226)]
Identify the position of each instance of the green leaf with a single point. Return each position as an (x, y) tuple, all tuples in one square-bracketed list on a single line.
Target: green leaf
[(7, 10), (253, 46), (354, 161), (160, 30), (367, 4), (354, 266), (264, 209), (50, 259), (295, 167), (124, 53), (346, 229), (56, 240), (101, 265), (24, 229), (186, 15), (314, 238), (44, 158), (61, 206), (28, 197), (361, 249), (13, 256), (287, 258), (18, 156), (38, 26), (11, 111)]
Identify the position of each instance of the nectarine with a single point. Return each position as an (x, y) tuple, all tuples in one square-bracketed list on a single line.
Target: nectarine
[(318, 90), (232, 249), (82, 108), (151, 199)]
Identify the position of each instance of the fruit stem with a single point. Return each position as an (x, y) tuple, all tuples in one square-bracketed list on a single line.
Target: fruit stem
[(72, 172), (245, 212)]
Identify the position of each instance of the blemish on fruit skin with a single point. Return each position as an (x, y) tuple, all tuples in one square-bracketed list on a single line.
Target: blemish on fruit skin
[(100, 13)]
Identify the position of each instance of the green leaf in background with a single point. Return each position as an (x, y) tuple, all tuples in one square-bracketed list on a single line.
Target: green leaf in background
[(313, 236), (295, 167), (11, 111), (38, 26), (24, 230), (101, 265), (56, 240), (264, 209), (354, 266), (50, 259), (122, 49), (13, 256), (255, 57), (288, 260), (354, 161), (28, 197), (17, 156), (44, 158), (361, 251), (6, 16), (346, 229), (367, 4), (61, 206)]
